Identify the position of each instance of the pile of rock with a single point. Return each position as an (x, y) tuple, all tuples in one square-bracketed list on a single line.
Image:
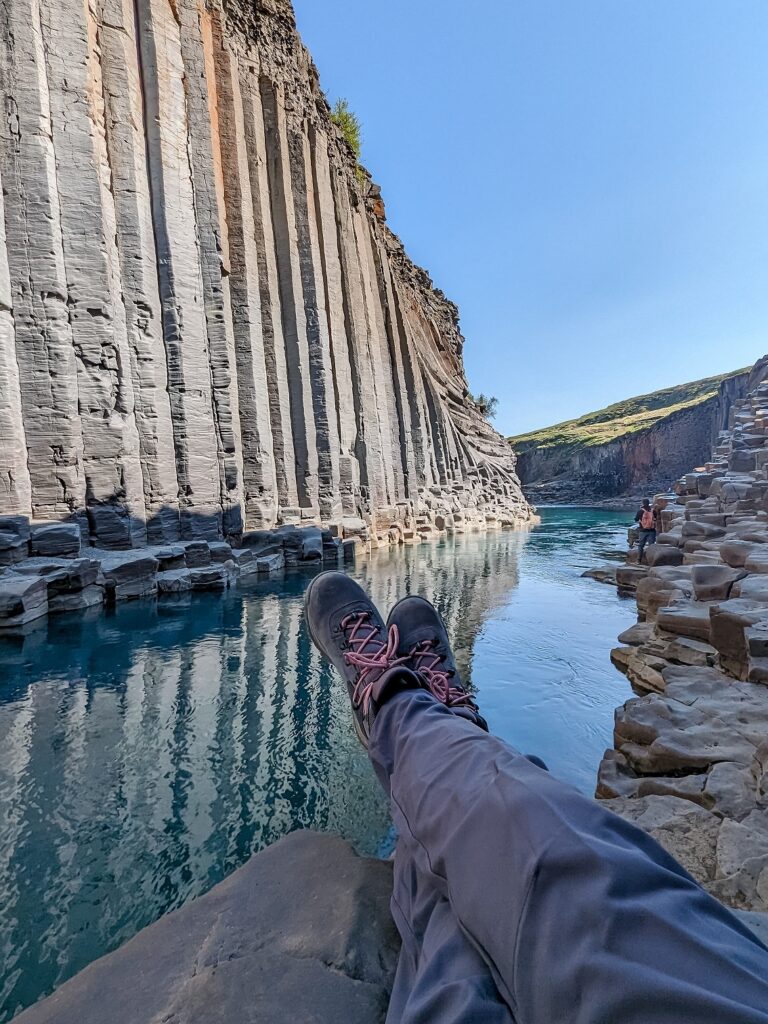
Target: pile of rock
[(691, 753), (44, 568)]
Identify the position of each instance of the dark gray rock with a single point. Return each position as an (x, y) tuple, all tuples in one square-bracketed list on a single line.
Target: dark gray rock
[(14, 539), (60, 540), (301, 935), (22, 599), (129, 574), (220, 551), (198, 554)]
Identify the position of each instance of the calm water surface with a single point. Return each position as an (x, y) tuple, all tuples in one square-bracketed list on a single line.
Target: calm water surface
[(148, 752)]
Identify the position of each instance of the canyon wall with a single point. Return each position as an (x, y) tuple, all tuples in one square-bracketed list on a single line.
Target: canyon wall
[(640, 460), (205, 324)]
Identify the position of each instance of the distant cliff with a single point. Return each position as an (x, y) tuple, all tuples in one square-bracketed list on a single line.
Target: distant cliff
[(205, 324), (641, 444)]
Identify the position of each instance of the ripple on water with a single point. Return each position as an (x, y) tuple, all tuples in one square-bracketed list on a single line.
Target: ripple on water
[(146, 753)]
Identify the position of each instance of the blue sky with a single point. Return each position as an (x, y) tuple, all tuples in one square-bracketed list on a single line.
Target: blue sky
[(586, 179)]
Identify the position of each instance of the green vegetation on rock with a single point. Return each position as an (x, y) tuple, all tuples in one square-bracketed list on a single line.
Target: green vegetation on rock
[(350, 125), (486, 405), (628, 417)]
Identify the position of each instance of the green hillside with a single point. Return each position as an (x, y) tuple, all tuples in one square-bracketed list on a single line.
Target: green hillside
[(627, 417)]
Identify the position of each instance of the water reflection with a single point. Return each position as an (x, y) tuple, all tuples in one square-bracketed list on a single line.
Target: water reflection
[(148, 752)]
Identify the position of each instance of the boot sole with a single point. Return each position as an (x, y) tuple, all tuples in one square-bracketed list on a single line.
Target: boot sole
[(358, 729)]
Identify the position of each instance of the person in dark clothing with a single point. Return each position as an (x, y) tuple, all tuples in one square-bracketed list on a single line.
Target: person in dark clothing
[(519, 901), (647, 519)]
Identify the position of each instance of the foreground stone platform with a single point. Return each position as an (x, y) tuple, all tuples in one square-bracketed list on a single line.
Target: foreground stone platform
[(302, 933)]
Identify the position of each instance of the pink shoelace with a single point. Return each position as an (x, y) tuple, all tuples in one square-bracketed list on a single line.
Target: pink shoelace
[(426, 661), (372, 663)]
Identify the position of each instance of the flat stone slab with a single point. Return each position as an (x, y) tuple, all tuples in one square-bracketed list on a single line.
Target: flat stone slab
[(302, 934)]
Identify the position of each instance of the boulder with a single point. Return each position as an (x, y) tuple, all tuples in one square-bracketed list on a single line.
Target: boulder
[(354, 527), (197, 554), (210, 577), (663, 554), (171, 557), (645, 672), (685, 618), (311, 549), (78, 600), (220, 552), (302, 932), (628, 576), (244, 562), (271, 563), (174, 581), (129, 574), (14, 539), (714, 582), (60, 540), (22, 599), (638, 634)]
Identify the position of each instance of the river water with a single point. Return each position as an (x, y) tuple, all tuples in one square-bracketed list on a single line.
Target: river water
[(145, 753)]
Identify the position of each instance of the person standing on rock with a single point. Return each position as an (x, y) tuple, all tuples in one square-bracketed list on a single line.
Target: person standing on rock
[(519, 901), (646, 519)]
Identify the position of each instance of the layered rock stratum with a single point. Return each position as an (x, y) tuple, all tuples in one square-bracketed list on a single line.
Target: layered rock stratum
[(641, 444), (690, 762), (205, 324)]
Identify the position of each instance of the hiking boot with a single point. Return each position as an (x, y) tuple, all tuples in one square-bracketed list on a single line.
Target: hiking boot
[(424, 646), (346, 627)]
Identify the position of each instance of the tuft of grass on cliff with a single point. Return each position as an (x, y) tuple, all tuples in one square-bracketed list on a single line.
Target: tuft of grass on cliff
[(628, 417)]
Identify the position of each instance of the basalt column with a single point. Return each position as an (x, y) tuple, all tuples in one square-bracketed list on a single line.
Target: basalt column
[(206, 325)]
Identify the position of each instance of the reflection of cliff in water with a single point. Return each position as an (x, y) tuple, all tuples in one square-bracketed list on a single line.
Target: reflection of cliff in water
[(149, 751), (464, 579)]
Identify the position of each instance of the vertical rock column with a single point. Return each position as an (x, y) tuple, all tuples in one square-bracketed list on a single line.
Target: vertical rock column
[(205, 155), (291, 298), (269, 288), (15, 487), (328, 241), (124, 115), (259, 481), (179, 274), (316, 318), (44, 349), (114, 486)]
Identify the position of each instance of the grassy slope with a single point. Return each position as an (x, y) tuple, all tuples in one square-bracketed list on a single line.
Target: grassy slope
[(628, 417)]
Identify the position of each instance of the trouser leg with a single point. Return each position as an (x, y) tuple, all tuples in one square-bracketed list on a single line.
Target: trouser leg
[(641, 545), (440, 976), (579, 916)]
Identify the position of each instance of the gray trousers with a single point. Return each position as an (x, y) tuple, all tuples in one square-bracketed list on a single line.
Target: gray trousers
[(520, 900), (645, 537)]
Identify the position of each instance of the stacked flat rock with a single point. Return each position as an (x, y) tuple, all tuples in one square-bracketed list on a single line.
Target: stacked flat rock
[(690, 762), (36, 586)]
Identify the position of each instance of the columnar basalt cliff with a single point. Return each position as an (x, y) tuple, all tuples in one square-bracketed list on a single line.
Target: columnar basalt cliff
[(690, 762), (642, 444), (205, 324)]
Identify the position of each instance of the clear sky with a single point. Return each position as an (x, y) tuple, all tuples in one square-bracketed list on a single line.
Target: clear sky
[(586, 179)]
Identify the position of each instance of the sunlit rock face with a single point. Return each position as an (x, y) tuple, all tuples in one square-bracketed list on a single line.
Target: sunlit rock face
[(205, 323)]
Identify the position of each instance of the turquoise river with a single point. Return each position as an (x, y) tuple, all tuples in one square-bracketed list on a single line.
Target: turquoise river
[(147, 752)]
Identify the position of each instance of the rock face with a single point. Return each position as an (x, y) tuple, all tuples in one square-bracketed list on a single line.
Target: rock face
[(301, 933), (637, 446), (690, 761), (205, 324)]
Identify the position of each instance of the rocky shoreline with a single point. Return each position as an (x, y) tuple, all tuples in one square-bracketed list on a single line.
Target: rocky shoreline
[(690, 761), (46, 569)]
